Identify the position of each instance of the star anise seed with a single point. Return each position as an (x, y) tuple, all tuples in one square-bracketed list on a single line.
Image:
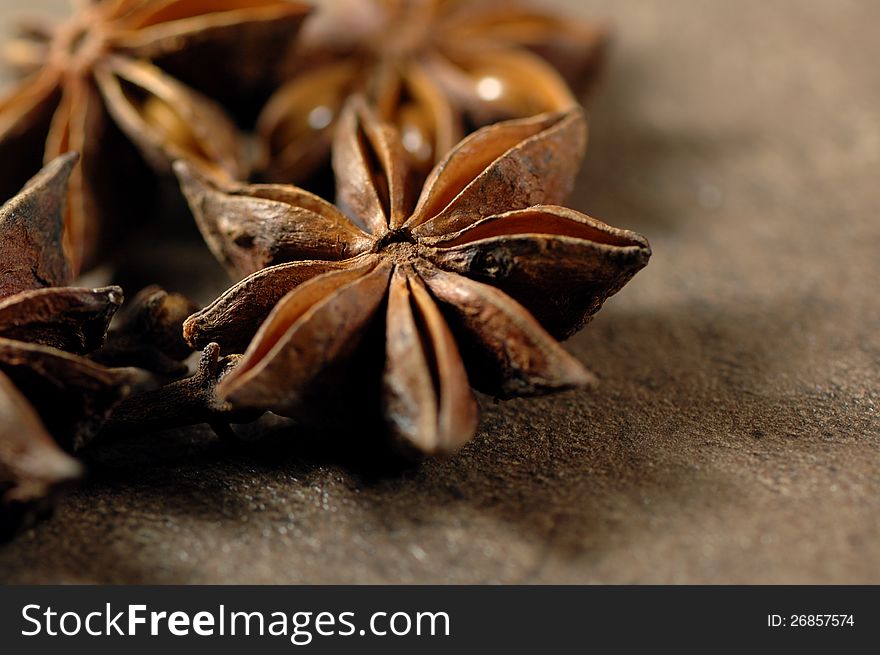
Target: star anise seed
[(44, 324), (473, 266)]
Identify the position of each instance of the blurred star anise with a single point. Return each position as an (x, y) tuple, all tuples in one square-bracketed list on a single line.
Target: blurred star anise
[(482, 266), (435, 68), (44, 326), (102, 62)]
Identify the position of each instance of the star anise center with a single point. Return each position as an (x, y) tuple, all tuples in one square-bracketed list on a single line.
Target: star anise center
[(399, 246)]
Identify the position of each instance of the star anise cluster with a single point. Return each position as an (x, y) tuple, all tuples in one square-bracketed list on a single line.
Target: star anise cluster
[(448, 134), (45, 328), (62, 375), (125, 61)]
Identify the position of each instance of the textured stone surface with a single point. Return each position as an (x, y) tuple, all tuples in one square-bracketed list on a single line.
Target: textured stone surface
[(735, 436)]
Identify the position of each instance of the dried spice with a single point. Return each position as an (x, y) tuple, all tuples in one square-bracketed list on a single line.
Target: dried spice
[(36, 305), (149, 334), (190, 401), (43, 323), (482, 266), (101, 64), (435, 68), (72, 394)]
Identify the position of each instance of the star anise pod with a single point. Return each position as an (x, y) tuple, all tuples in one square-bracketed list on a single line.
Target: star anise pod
[(102, 64), (44, 324), (482, 265), (435, 68), (32, 466)]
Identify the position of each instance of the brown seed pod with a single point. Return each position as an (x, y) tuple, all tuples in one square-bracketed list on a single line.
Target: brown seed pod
[(190, 401), (469, 281), (45, 387), (116, 62), (433, 69)]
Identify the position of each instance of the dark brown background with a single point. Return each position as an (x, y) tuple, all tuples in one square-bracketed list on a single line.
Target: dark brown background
[(735, 434)]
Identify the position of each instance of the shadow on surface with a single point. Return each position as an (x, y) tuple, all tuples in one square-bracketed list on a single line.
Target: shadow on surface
[(562, 471)]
